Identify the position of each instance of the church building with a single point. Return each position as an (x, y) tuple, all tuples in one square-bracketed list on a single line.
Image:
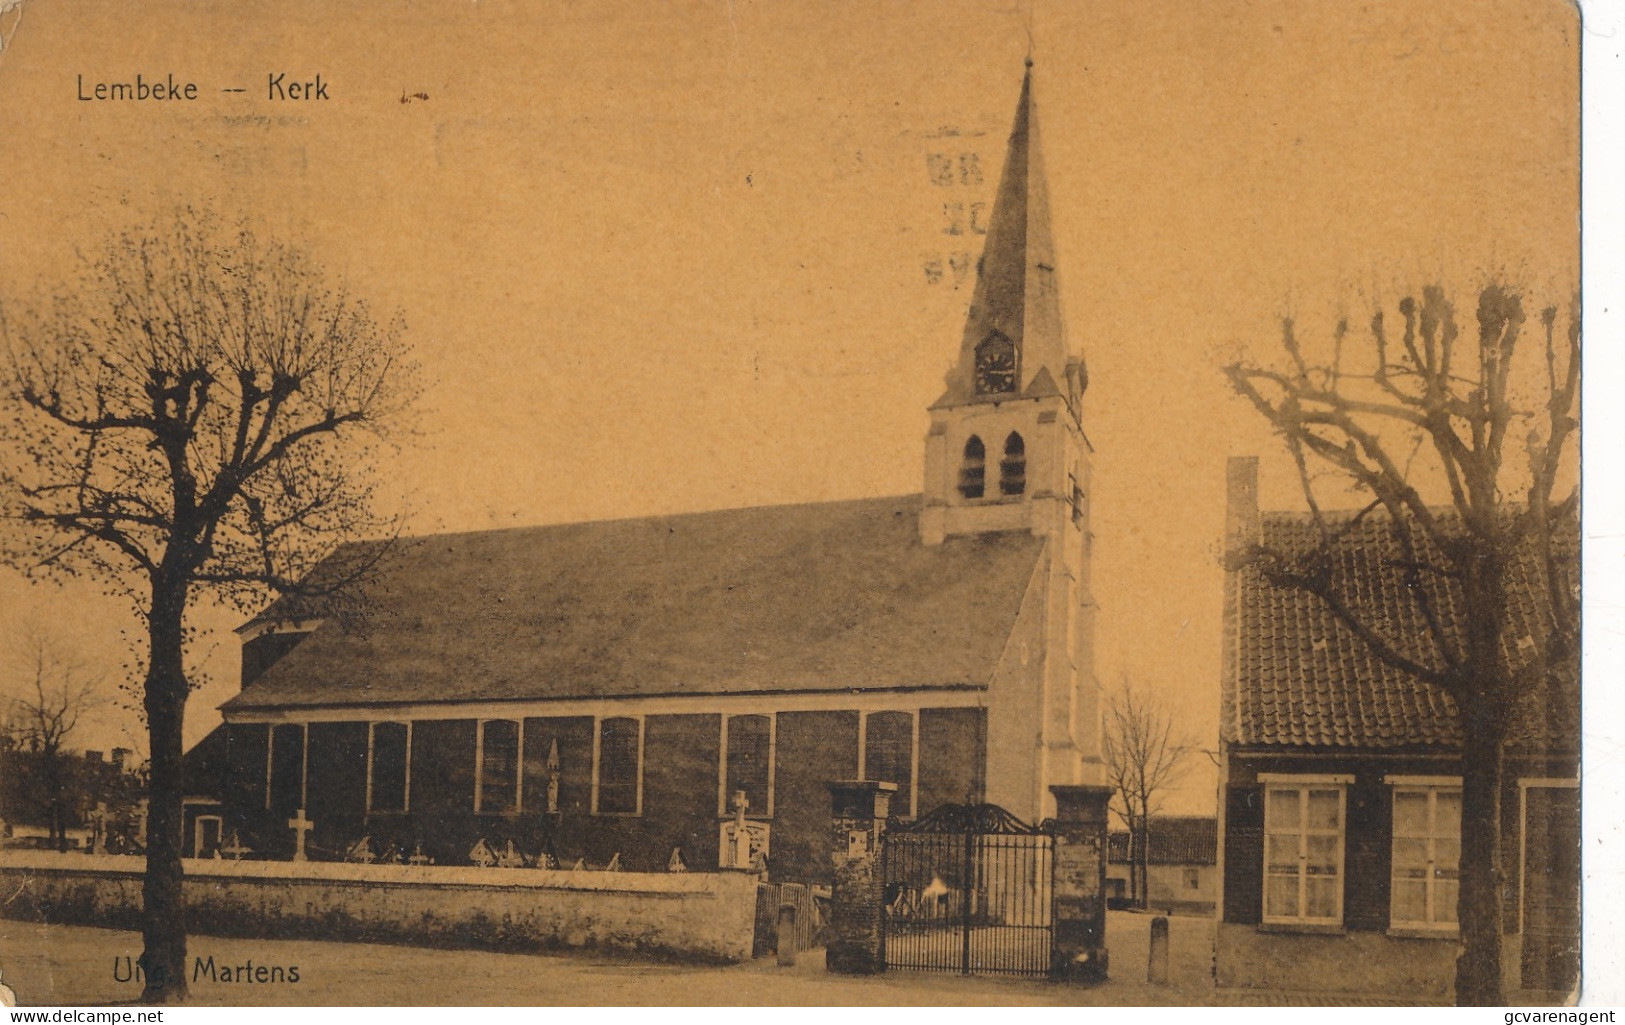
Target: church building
[(630, 689)]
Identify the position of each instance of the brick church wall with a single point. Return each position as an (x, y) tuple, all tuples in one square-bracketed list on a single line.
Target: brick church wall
[(681, 756)]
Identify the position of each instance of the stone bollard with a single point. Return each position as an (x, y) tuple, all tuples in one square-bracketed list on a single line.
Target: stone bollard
[(857, 915), (1156, 963), (786, 938)]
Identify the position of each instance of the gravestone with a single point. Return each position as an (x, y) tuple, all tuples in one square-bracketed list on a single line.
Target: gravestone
[(742, 844), (361, 851), (141, 823), (236, 848), (98, 828), (553, 774)]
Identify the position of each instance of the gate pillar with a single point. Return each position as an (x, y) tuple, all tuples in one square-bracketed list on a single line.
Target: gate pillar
[(857, 928), (1079, 948)]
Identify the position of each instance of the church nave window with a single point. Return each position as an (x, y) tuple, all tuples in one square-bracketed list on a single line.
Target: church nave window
[(617, 785), (285, 770), (747, 743), (387, 756), (888, 755), (498, 767), (973, 471), (1013, 468)]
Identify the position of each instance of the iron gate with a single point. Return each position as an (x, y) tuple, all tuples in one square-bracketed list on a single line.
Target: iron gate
[(967, 889)]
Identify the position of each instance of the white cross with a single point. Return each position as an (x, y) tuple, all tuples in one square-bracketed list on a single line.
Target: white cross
[(300, 825)]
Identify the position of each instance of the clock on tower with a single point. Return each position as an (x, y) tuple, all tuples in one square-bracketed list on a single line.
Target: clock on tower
[(995, 366)]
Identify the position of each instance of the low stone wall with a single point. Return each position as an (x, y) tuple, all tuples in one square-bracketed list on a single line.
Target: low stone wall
[(700, 916)]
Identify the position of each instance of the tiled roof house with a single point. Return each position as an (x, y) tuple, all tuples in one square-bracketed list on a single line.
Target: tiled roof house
[(1341, 813)]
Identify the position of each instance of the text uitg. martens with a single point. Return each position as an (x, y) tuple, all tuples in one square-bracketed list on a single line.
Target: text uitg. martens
[(278, 86)]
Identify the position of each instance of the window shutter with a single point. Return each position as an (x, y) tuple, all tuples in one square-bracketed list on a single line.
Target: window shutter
[(1369, 854), (1243, 854)]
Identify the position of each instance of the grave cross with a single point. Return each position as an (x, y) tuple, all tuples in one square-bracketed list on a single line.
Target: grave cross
[(235, 848), (300, 826)]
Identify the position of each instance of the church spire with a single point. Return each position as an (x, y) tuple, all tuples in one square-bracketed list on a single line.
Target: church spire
[(1014, 344)]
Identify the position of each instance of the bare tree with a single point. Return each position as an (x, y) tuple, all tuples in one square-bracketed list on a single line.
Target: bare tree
[(56, 693), (193, 417), (1438, 412), (1145, 756)]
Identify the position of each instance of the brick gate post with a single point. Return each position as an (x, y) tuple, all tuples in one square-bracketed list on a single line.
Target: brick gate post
[(857, 933), (1078, 951)]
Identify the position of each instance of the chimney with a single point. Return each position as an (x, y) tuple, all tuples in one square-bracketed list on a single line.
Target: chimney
[(1241, 525), (120, 756)]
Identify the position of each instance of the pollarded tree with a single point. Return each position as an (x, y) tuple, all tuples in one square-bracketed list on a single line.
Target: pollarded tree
[(1426, 432), (192, 417)]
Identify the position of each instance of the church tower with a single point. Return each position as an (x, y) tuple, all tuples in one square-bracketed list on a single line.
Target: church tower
[(1006, 451)]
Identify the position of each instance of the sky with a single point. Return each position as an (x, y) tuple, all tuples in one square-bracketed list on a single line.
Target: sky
[(661, 258)]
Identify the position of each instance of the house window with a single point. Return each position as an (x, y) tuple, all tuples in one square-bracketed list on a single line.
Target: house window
[(973, 471), (888, 755), (387, 757), (1013, 468), (497, 767), (1427, 856), (1303, 853), (747, 744), (1193, 879), (618, 767)]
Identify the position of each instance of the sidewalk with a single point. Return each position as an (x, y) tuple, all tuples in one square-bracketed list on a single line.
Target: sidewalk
[(52, 964)]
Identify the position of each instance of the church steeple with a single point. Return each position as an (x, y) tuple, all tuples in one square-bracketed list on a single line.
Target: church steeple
[(1014, 345), (1006, 449), (1006, 452)]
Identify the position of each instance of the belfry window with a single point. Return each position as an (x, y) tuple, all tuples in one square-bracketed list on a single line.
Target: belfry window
[(1013, 469), (973, 471)]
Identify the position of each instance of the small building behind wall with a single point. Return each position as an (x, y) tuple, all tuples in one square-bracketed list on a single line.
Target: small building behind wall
[(1341, 779), (1181, 865)]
